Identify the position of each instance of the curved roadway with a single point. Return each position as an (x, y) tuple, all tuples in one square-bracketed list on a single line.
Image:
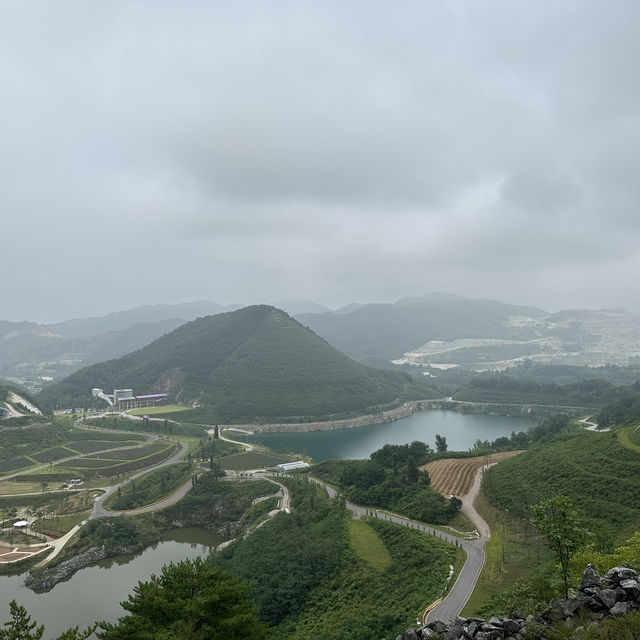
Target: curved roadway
[(99, 511), (457, 598)]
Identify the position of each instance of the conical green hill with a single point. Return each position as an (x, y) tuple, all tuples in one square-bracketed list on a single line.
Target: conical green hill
[(256, 362)]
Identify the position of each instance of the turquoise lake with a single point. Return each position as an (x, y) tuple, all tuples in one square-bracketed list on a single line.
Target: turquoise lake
[(460, 429)]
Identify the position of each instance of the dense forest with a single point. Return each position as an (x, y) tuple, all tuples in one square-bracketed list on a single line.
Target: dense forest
[(391, 479), (502, 388), (253, 363), (596, 470)]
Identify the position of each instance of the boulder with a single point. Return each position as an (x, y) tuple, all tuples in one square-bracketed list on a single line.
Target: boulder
[(608, 597), (619, 609), (631, 588), (456, 630), (590, 578), (472, 629), (510, 627), (617, 574)]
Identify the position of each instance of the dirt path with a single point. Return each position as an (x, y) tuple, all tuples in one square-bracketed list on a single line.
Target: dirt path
[(247, 447), (458, 596)]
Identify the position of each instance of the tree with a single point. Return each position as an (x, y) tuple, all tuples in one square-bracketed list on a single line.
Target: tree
[(20, 627), (413, 473), (441, 443), (193, 600), (560, 524)]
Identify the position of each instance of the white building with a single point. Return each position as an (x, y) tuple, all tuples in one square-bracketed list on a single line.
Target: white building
[(285, 467)]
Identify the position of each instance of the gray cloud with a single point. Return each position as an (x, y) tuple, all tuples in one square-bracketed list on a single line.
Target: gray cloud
[(336, 151)]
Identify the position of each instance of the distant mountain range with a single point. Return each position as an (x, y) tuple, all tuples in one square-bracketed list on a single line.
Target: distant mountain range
[(439, 330), (442, 331), (256, 362)]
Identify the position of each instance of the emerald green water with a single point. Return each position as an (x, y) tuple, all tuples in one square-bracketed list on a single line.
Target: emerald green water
[(95, 593), (461, 431)]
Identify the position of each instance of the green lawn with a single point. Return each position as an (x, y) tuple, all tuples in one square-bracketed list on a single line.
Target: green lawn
[(250, 460), (513, 551), (629, 438), (150, 411), (57, 527), (368, 545)]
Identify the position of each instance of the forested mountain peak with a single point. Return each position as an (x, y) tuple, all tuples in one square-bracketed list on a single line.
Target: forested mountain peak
[(256, 362)]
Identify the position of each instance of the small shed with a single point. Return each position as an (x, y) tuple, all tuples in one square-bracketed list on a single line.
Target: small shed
[(21, 524)]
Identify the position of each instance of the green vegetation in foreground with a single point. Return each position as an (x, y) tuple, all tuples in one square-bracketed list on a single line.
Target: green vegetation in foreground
[(368, 545), (150, 488), (153, 411), (254, 363), (595, 470), (250, 460), (337, 594), (391, 480)]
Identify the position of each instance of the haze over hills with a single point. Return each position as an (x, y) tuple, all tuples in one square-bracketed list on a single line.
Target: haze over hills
[(442, 331), (254, 362), (119, 320), (438, 330)]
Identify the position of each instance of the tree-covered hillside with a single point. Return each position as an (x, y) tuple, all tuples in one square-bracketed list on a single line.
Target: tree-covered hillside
[(256, 362), (598, 471), (501, 388)]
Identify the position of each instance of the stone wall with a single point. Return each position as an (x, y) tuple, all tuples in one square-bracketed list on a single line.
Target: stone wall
[(597, 598)]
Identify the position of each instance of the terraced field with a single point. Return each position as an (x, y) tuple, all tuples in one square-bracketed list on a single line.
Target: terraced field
[(57, 453), (16, 463), (454, 476), (134, 453), (91, 446)]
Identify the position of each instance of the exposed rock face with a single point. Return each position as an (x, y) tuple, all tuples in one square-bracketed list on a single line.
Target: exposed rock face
[(49, 578), (616, 594)]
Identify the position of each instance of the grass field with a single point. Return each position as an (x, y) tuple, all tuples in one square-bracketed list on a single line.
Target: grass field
[(250, 460), (454, 476), (629, 438), (368, 545), (150, 411), (57, 527), (513, 551), (9, 488)]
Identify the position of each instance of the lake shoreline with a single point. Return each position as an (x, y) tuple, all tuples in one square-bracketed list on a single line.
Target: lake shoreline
[(407, 410)]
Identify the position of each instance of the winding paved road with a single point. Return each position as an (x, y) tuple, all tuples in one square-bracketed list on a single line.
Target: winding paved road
[(457, 598), (99, 511)]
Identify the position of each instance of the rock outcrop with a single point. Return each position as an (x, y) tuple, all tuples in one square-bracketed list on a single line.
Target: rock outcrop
[(46, 579), (616, 594)]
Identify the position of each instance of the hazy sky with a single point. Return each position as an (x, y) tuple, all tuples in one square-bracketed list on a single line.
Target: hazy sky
[(161, 152)]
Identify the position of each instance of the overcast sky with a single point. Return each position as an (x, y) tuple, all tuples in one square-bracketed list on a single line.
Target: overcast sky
[(163, 152)]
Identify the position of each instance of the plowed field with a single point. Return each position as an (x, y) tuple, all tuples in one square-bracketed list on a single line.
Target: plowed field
[(454, 476)]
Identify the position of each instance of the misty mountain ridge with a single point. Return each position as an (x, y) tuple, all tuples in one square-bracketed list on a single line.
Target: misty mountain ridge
[(435, 330), (480, 334), (246, 364)]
